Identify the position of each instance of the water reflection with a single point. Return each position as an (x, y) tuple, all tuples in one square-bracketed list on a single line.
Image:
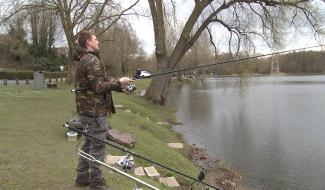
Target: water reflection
[(273, 132)]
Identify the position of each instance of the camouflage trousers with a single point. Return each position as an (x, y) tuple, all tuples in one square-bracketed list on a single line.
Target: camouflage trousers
[(97, 127)]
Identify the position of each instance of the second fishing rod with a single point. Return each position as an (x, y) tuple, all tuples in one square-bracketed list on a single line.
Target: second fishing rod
[(124, 149)]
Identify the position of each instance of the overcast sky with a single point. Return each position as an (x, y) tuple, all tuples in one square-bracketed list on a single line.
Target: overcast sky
[(144, 29)]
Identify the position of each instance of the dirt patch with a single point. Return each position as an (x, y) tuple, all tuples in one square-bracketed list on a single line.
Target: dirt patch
[(199, 156), (217, 172), (230, 178)]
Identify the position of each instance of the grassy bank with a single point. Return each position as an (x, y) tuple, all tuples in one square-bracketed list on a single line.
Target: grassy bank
[(35, 153)]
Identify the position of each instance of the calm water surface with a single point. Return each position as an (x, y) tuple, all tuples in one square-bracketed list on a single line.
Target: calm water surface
[(272, 129)]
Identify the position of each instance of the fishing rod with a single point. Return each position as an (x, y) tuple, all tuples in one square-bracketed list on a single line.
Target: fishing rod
[(230, 61), (213, 64), (124, 149)]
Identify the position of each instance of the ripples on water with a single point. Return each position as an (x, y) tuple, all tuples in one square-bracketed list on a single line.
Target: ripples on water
[(270, 128)]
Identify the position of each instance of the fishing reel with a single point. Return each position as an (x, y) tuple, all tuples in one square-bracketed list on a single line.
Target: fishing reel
[(200, 177), (129, 88), (126, 163)]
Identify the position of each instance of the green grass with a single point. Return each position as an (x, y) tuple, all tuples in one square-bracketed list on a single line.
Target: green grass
[(35, 153)]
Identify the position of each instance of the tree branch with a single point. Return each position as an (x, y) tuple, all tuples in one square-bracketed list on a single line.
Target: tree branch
[(212, 42), (83, 9)]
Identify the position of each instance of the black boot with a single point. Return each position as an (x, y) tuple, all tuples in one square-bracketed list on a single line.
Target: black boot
[(82, 179), (99, 185)]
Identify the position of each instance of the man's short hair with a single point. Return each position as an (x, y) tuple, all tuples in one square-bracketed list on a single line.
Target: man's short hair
[(83, 37)]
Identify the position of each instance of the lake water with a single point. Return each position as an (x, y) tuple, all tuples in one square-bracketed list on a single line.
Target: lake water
[(272, 129)]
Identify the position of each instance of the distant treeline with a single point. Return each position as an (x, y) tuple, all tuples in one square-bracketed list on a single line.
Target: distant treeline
[(303, 62), (291, 63)]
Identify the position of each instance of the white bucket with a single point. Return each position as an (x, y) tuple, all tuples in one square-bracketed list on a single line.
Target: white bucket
[(72, 136)]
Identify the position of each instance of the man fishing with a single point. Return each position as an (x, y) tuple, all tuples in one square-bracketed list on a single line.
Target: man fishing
[(94, 104)]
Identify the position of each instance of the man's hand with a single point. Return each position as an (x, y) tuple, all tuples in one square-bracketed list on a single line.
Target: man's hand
[(125, 80)]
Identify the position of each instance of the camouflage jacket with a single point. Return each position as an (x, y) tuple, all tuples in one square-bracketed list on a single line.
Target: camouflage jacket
[(97, 100)]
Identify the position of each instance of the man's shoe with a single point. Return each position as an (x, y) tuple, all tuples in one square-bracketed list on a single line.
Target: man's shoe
[(99, 185), (82, 180)]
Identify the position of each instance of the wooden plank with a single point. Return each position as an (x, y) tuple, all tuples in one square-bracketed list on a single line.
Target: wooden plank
[(151, 172), (169, 181), (139, 171), (176, 145)]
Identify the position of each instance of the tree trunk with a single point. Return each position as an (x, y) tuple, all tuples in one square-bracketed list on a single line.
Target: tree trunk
[(34, 27), (71, 65), (196, 74), (71, 68), (179, 76), (157, 91)]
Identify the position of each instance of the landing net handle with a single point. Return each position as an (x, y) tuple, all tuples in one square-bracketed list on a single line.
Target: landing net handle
[(92, 159)]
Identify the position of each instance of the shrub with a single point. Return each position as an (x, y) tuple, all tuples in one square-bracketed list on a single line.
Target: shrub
[(51, 63), (22, 75), (12, 75)]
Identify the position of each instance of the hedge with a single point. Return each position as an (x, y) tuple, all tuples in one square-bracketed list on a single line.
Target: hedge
[(23, 75)]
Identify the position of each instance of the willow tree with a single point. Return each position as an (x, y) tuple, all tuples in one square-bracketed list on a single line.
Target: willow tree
[(245, 20)]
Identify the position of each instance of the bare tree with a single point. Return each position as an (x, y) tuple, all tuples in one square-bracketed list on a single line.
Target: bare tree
[(120, 54), (200, 53), (243, 19), (78, 15), (43, 26)]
